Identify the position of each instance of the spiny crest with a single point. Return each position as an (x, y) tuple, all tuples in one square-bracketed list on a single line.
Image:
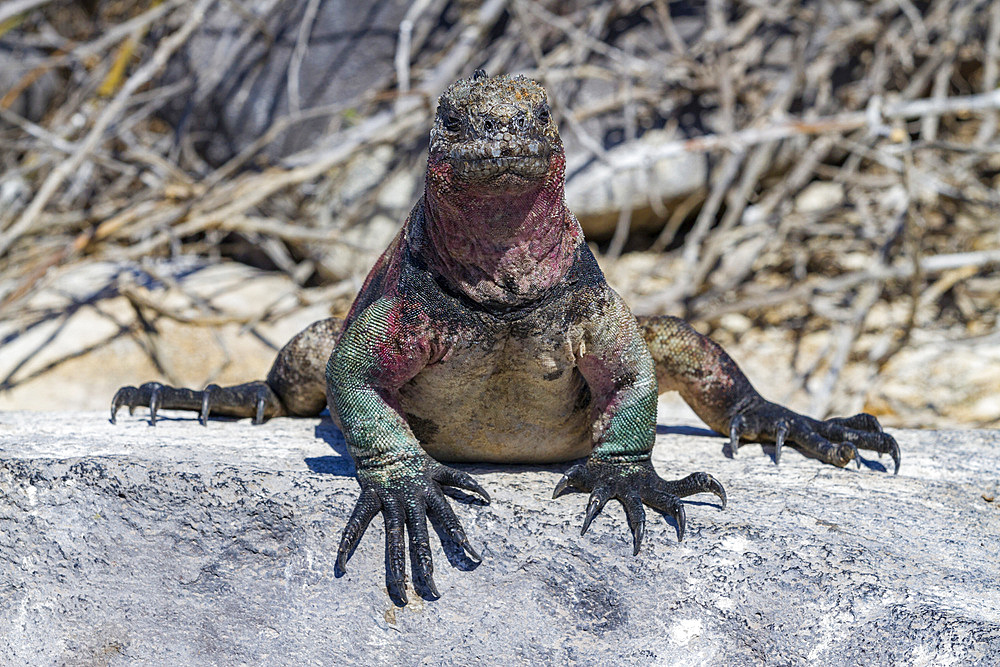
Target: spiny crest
[(481, 91)]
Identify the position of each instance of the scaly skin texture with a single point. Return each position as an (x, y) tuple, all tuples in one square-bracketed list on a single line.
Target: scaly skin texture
[(486, 332)]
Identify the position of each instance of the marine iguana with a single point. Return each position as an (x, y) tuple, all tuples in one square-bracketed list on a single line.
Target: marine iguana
[(486, 332)]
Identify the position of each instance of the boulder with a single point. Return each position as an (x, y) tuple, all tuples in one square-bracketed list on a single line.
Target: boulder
[(253, 63), (182, 544)]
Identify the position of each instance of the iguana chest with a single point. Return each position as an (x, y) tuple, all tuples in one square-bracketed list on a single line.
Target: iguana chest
[(505, 393)]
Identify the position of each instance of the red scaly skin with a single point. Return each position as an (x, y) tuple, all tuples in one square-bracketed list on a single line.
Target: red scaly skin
[(499, 245)]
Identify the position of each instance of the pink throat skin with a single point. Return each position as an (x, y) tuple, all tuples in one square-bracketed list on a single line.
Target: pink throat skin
[(504, 242)]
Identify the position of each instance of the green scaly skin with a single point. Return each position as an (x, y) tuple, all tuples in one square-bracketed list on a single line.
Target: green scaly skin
[(486, 332)]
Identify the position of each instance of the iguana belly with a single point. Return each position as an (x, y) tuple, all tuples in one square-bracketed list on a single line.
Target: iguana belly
[(505, 400)]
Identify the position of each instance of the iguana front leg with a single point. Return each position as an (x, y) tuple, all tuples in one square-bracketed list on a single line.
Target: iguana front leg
[(619, 372), (386, 346), (717, 390)]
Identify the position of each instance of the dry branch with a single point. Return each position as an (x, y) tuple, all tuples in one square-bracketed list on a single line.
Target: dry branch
[(101, 123), (852, 147)]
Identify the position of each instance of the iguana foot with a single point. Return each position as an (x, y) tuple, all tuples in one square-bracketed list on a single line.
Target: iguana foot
[(252, 399), (405, 491), (835, 441), (633, 484)]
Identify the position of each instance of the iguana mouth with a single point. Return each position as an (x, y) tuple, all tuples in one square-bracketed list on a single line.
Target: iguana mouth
[(484, 169), (483, 161)]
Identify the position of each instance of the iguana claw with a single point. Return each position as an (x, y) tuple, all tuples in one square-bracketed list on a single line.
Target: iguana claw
[(634, 484), (835, 441), (251, 399), (406, 493)]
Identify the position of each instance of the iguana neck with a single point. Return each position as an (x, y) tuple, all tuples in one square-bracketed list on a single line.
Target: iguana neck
[(500, 246)]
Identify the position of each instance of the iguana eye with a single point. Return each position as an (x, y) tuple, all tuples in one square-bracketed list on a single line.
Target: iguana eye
[(452, 122), (543, 115)]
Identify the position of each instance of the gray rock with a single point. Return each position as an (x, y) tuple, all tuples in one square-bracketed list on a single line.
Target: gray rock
[(596, 193), (188, 545), (242, 61)]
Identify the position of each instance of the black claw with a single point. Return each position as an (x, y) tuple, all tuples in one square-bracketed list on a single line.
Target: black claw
[(572, 478), (637, 533), (597, 501), (427, 575), (420, 547), (397, 586), (483, 493), (635, 485), (364, 511), (442, 512), (258, 418), (735, 431), (873, 423), (894, 453), (396, 574), (681, 520), (636, 517), (126, 396), (154, 402), (857, 455), (116, 403), (890, 447), (779, 440), (560, 487), (463, 541), (715, 486), (206, 403), (865, 422), (406, 501), (463, 480), (835, 441)]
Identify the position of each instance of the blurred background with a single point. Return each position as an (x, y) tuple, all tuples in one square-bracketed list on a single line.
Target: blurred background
[(186, 184)]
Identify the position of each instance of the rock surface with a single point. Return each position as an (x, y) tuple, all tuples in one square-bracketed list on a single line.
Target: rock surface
[(188, 545)]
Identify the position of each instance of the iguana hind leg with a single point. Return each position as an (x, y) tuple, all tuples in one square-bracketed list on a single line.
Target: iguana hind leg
[(295, 385), (717, 390)]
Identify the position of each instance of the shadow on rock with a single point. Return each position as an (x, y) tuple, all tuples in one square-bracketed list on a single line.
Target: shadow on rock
[(341, 465), (663, 429)]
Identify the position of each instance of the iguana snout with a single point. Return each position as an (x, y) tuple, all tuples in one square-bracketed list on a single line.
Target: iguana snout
[(494, 130)]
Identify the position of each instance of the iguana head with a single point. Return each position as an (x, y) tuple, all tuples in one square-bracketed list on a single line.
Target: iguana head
[(494, 133), (494, 212)]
